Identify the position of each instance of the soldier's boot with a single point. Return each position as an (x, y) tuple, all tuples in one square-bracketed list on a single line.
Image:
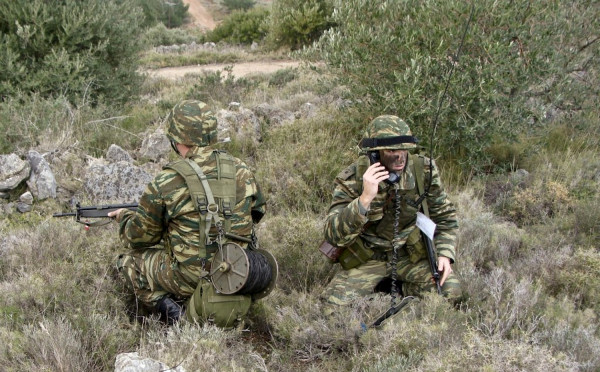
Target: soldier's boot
[(169, 310)]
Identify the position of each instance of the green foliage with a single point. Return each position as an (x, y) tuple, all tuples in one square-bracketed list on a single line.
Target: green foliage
[(32, 121), (80, 49), (578, 278), (316, 150), (171, 13), (238, 4), (161, 35), (397, 55), (243, 27), (294, 24), (293, 241)]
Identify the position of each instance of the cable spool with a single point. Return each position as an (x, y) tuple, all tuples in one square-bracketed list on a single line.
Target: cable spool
[(236, 270)]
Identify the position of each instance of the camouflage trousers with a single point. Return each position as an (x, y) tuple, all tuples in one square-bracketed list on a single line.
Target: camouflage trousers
[(359, 282), (152, 273)]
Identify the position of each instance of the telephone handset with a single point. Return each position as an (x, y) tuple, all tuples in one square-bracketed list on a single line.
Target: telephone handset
[(375, 158)]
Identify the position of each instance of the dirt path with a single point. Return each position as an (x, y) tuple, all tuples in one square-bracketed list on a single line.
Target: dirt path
[(200, 15), (203, 18), (239, 69)]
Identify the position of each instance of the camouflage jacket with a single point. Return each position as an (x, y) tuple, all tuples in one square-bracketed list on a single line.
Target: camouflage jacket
[(166, 211), (345, 224)]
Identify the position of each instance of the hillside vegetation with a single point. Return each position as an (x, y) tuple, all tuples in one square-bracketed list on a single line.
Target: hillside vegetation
[(517, 143)]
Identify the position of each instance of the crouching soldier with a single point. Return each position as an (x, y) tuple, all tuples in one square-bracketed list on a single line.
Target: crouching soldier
[(372, 221), (203, 205)]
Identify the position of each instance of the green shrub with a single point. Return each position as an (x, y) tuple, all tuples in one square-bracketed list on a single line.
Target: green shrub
[(396, 57), (242, 27), (161, 35), (81, 49), (238, 4), (294, 23)]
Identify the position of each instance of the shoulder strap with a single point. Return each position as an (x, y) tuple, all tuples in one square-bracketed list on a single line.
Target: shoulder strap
[(418, 163), (214, 199)]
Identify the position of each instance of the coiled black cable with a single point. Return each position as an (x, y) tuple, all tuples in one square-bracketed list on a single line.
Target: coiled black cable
[(260, 273)]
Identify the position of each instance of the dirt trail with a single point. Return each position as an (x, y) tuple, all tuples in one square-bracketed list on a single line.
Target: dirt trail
[(239, 69), (200, 15), (202, 18)]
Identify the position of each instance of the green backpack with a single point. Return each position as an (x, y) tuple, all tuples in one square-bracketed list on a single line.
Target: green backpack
[(214, 199)]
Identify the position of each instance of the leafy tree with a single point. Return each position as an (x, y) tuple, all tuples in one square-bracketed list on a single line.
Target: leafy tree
[(171, 13), (518, 57), (83, 49), (295, 23)]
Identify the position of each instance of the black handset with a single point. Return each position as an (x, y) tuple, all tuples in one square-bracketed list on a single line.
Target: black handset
[(375, 158)]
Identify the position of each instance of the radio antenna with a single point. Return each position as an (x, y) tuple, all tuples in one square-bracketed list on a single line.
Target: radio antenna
[(441, 101)]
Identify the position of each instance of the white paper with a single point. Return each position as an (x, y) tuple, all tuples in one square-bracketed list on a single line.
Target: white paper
[(426, 225)]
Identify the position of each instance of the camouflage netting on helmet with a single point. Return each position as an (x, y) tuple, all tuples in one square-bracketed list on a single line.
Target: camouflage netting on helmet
[(191, 123), (390, 128)]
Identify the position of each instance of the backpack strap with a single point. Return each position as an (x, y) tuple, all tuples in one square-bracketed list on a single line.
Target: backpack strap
[(418, 163), (214, 199)]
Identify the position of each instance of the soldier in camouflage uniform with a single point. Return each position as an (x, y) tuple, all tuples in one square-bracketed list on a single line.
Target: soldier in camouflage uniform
[(163, 275), (362, 216)]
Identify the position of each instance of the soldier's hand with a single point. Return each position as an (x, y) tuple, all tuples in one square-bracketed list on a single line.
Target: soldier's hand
[(445, 268), (115, 214), (373, 175)]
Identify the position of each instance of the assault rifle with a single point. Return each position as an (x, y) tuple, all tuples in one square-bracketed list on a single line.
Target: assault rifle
[(432, 257), (94, 211)]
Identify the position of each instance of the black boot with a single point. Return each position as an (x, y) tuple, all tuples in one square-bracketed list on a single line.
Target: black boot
[(169, 310)]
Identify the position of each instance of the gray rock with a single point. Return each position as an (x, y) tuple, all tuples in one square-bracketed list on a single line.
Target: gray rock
[(242, 123), (41, 182), (23, 207), (4, 195), (116, 153), (273, 115), (132, 362), (26, 198), (13, 171), (115, 182), (156, 146)]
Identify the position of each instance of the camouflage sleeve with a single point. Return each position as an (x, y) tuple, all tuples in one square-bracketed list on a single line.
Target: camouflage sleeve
[(344, 221), (251, 205), (443, 213), (144, 227)]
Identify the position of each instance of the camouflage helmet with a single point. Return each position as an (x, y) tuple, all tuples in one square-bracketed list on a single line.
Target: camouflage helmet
[(388, 132), (191, 123)]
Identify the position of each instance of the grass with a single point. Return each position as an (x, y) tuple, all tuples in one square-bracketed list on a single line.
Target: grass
[(527, 252)]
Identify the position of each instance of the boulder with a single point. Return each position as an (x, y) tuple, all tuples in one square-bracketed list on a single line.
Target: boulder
[(13, 171), (156, 146), (116, 153), (115, 182), (41, 182), (132, 362)]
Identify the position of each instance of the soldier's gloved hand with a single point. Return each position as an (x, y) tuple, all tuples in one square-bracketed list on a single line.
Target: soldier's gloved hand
[(373, 175), (445, 268)]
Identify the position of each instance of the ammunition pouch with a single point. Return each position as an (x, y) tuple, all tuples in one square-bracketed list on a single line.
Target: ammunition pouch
[(330, 251), (206, 305), (354, 255), (415, 247)]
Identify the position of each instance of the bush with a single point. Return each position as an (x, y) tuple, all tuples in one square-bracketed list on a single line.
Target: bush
[(86, 49), (241, 27), (294, 23), (238, 4), (396, 57), (161, 35)]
